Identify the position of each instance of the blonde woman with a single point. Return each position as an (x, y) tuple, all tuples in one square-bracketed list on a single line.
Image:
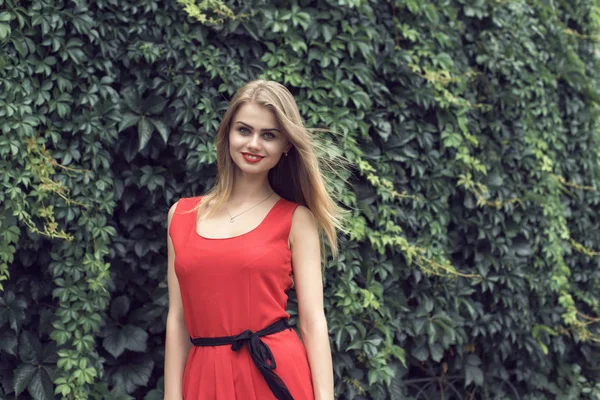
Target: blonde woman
[(235, 252)]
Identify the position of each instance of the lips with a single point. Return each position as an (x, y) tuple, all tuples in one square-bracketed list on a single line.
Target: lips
[(247, 157)]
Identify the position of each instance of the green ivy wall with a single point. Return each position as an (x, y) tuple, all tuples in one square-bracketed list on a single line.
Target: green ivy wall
[(472, 129)]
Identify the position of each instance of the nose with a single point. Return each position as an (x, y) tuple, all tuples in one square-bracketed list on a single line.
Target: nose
[(254, 142)]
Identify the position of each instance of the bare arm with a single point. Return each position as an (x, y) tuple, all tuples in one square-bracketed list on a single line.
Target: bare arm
[(309, 290), (177, 342)]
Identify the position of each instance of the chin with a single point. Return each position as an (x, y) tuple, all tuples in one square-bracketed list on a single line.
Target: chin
[(252, 169)]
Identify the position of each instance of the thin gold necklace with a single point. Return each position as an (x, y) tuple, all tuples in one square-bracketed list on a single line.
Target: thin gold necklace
[(231, 218)]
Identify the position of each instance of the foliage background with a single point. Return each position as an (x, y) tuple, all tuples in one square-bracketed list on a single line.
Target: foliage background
[(472, 127)]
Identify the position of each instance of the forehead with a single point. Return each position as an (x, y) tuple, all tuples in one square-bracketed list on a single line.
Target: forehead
[(257, 116)]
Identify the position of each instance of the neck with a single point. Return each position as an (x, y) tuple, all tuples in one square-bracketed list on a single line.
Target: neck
[(250, 190)]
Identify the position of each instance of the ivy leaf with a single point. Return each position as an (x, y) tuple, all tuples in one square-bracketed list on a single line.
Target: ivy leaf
[(136, 373), (418, 324), (6, 376), (41, 387), (384, 129), (12, 308), (154, 105), (30, 348), (473, 374), (413, 6), (522, 247), (127, 338), (5, 16), (161, 127), (22, 376), (494, 179), (361, 100), (373, 377), (144, 132), (49, 355), (114, 342), (420, 352), (133, 101), (155, 394), (4, 30), (119, 307), (8, 342), (431, 13), (136, 338), (436, 351), (128, 120)]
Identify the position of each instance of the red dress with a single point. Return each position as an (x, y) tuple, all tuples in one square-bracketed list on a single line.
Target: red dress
[(231, 285)]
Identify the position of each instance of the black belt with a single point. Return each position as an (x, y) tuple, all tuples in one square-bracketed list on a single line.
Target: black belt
[(259, 352)]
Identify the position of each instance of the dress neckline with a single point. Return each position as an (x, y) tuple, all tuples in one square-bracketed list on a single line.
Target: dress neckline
[(240, 235)]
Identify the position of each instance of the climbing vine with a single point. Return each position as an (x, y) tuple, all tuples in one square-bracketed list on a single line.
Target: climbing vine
[(471, 131)]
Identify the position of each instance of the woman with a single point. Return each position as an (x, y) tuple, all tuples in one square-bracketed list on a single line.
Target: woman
[(230, 262)]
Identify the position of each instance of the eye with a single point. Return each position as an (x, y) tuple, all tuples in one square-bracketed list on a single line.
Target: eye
[(243, 130), (270, 135)]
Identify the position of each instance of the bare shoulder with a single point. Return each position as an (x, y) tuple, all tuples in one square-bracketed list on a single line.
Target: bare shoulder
[(302, 214), (303, 224)]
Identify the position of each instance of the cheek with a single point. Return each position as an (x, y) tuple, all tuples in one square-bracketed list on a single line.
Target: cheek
[(232, 140)]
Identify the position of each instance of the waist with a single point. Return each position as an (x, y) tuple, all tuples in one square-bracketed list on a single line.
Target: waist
[(275, 327), (259, 351)]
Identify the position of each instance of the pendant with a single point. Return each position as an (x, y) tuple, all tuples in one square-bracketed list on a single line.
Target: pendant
[(231, 220)]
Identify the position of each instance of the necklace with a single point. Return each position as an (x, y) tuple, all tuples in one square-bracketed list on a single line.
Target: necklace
[(231, 218)]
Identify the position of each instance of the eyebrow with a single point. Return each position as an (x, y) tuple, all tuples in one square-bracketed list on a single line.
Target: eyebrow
[(262, 130)]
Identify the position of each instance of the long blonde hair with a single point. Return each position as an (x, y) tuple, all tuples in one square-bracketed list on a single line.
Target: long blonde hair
[(296, 177)]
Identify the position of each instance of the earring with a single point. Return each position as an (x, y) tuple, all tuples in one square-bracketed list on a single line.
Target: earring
[(285, 154)]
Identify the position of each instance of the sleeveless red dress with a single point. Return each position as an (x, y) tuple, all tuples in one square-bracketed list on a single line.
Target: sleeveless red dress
[(228, 286)]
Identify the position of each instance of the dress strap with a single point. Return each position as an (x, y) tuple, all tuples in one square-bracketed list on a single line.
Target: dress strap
[(182, 220)]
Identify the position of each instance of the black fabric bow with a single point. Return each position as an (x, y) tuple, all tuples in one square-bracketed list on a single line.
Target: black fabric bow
[(261, 354)]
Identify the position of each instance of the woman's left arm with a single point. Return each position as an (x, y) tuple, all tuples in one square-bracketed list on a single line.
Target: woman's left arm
[(306, 260)]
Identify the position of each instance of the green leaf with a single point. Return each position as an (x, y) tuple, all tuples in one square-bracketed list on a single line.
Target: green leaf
[(49, 355), (22, 376), (119, 307), (144, 132), (127, 338), (358, 344), (13, 309), (418, 325), (373, 377), (522, 247), (114, 342), (431, 332), (154, 105), (133, 100), (162, 128), (473, 374), (436, 351), (41, 387), (30, 348), (445, 60), (128, 120), (155, 394), (133, 374), (361, 100), (8, 342), (413, 6), (136, 338), (4, 30), (431, 13), (328, 31), (420, 352)]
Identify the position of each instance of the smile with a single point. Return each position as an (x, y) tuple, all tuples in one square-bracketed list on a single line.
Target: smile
[(251, 158)]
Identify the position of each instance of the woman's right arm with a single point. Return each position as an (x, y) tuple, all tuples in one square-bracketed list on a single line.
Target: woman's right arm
[(177, 341)]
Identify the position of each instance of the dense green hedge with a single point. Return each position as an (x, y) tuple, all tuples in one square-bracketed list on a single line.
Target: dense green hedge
[(472, 127)]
